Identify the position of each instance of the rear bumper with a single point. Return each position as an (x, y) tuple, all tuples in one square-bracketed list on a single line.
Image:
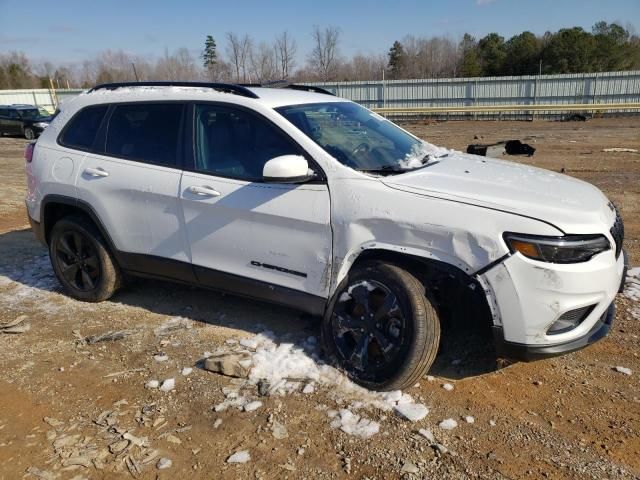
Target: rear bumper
[(38, 231), (520, 351)]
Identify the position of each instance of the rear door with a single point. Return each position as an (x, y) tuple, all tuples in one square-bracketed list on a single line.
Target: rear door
[(131, 179), (278, 234)]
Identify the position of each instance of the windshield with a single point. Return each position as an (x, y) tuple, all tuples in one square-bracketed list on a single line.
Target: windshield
[(358, 138), (29, 113)]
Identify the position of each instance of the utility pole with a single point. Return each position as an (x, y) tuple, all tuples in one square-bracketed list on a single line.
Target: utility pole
[(134, 71)]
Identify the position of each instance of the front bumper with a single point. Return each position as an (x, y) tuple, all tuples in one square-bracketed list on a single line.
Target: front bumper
[(527, 353), (529, 297)]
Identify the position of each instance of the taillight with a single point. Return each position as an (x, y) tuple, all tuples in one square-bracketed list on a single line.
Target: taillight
[(28, 152)]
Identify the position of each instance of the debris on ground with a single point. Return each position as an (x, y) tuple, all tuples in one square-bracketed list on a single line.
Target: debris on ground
[(510, 147), (16, 325), (172, 325), (278, 430), (447, 386), (409, 467), (168, 385), (620, 150), (625, 370), (241, 456), (576, 117), (230, 364), (448, 424), (164, 463), (110, 336)]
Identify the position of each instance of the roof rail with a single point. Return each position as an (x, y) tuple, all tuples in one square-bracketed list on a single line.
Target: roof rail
[(309, 88), (221, 87), (291, 86)]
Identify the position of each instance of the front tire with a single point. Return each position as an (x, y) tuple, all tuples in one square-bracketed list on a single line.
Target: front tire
[(381, 328), (81, 260), (29, 134)]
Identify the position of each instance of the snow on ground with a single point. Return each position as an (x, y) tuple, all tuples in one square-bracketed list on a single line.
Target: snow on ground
[(632, 289), (34, 282), (288, 367), (353, 424)]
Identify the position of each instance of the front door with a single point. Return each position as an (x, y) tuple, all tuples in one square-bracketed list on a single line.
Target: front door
[(277, 234)]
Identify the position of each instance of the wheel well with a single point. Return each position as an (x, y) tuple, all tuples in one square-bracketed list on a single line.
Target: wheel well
[(54, 211), (459, 297)]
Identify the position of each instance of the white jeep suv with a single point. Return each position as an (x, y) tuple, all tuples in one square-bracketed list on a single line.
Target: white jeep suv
[(298, 197)]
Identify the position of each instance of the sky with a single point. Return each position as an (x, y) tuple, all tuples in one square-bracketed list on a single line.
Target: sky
[(72, 31)]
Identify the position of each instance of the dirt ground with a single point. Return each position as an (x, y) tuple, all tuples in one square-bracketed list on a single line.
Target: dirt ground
[(72, 409)]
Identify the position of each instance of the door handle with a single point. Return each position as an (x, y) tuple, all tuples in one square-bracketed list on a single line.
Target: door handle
[(204, 191), (96, 172)]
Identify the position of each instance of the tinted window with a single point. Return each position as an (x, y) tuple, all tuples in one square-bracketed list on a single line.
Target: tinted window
[(3, 112), (29, 113), (82, 129), (145, 132), (236, 143)]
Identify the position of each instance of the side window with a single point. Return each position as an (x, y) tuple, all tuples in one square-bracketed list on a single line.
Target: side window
[(148, 132), (83, 127), (13, 114), (236, 143), (3, 112)]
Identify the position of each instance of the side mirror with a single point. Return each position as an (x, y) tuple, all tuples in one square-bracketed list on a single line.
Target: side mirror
[(287, 169)]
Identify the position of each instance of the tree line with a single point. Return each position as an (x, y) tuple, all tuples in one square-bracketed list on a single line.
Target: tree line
[(607, 47)]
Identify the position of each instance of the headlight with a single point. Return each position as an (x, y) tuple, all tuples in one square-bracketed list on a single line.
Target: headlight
[(567, 249), (41, 125)]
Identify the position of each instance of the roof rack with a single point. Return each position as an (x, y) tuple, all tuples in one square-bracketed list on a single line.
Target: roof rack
[(291, 86), (221, 87), (309, 88)]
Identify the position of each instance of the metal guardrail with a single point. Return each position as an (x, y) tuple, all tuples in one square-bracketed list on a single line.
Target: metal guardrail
[(574, 107)]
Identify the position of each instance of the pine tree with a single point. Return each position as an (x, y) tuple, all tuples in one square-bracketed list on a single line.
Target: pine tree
[(209, 55), (396, 60), (469, 65)]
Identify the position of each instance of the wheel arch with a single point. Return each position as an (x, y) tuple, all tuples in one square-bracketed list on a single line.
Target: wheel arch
[(55, 207), (445, 280)]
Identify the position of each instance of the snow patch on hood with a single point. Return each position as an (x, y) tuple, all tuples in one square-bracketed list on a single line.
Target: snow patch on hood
[(424, 150)]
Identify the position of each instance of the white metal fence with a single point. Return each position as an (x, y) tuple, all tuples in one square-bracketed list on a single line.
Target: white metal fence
[(607, 87), (589, 88)]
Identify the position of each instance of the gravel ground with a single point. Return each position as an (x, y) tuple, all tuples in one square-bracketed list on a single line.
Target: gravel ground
[(76, 406)]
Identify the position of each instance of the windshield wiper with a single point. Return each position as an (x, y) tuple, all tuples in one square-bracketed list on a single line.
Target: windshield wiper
[(384, 170)]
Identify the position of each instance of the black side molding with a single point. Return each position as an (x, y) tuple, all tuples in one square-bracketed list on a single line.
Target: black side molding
[(258, 290)]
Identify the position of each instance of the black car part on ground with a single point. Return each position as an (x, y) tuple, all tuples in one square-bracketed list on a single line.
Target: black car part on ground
[(511, 147)]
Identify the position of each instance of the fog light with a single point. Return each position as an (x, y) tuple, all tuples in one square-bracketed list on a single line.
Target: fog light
[(569, 320)]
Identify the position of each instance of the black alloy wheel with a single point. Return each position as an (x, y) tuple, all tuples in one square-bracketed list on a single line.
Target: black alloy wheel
[(78, 261)]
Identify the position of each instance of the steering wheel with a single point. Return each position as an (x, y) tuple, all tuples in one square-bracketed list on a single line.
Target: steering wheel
[(362, 148)]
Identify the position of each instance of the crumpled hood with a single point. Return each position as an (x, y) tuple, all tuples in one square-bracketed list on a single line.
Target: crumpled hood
[(570, 204)]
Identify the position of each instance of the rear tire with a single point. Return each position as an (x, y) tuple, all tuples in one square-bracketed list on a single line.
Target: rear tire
[(81, 260), (29, 134), (381, 328)]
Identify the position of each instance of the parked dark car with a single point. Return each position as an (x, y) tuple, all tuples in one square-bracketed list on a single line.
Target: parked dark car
[(25, 120)]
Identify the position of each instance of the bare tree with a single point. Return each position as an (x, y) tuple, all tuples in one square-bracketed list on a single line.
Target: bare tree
[(324, 57), (238, 50), (286, 49), (263, 63)]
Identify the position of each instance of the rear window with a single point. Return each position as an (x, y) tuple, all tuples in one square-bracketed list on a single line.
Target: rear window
[(146, 132), (81, 131)]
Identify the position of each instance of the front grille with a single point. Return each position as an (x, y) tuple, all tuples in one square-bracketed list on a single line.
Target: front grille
[(617, 232)]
